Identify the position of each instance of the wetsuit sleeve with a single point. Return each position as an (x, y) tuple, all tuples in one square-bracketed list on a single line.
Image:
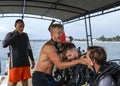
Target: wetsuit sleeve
[(9, 39), (30, 51), (107, 81), (31, 54)]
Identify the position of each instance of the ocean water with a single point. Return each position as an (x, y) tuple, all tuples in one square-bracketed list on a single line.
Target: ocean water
[(112, 49)]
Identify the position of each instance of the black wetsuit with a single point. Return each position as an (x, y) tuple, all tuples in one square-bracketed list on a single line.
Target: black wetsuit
[(20, 49)]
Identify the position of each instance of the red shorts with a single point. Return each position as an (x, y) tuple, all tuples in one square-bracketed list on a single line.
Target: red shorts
[(19, 73)]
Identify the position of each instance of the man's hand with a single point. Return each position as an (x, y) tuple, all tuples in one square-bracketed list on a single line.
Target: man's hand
[(33, 64), (82, 60)]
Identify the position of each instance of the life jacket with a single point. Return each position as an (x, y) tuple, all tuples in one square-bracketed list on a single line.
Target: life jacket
[(111, 69), (73, 76), (78, 75)]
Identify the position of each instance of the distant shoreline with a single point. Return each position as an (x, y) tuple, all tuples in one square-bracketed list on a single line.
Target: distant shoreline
[(73, 40)]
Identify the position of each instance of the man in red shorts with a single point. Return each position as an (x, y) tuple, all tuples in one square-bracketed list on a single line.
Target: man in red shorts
[(20, 50)]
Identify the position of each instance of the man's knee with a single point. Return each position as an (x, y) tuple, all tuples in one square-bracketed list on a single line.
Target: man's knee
[(12, 83), (25, 82)]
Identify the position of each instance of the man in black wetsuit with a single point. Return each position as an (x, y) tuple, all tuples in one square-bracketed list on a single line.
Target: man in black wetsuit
[(20, 50), (96, 60)]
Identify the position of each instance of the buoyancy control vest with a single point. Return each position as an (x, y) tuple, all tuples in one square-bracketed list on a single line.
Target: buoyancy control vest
[(109, 69)]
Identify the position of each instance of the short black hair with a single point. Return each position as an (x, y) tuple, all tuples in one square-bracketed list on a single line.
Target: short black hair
[(98, 53), (67, 46), (18, 21)]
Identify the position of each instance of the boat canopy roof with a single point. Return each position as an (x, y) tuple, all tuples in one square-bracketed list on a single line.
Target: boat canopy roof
[(64, 10)]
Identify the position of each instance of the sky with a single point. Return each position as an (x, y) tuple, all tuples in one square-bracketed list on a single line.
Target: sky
[(107, 25)]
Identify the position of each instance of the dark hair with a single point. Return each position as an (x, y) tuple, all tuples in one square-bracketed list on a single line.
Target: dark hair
[(55, 25), (18, 21), (67, 46), (98, 53)]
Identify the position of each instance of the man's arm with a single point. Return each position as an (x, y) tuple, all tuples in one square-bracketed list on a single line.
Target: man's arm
[(9, 39), (31, 54), (32, 59), (107, 81), (55, 58)]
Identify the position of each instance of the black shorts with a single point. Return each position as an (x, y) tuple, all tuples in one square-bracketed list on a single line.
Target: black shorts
[(42, 79)]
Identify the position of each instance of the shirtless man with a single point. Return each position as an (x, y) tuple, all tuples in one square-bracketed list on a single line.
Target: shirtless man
[(49, 57)]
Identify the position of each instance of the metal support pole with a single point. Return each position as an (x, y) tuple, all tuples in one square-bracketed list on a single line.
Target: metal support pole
[(23, 12), (86, 31), (88, 28), (91, 39)]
